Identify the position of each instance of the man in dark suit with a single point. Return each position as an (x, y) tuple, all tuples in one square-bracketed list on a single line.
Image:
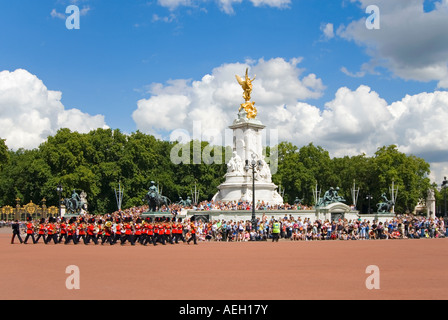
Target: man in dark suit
[(16, 231)]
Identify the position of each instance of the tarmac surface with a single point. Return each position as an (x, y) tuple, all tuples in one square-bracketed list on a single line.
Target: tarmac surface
[(412, 269)]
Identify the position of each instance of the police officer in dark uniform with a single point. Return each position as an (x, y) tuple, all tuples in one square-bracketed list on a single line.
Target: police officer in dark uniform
[(16, 231)]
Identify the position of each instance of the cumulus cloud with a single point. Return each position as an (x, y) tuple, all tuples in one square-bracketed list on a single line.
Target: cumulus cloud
[(327, 30), (224, 5), (411, 42), (214, 100), (29, 112), (353, 122)]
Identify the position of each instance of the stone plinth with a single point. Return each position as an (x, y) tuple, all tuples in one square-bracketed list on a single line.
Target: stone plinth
[(247, 145)]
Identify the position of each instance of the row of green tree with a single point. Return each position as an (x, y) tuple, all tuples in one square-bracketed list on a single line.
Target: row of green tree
[(98, 161)]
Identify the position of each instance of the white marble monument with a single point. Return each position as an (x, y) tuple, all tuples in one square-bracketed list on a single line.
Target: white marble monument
[(247, 145), (431, 204)]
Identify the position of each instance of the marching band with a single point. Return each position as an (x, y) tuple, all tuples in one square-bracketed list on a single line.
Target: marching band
[(101, 230)]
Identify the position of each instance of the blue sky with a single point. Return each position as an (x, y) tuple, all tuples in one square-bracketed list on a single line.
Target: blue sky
[(124, 48)]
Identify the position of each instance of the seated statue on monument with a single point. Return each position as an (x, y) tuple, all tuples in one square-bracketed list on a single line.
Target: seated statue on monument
[(235, 165)]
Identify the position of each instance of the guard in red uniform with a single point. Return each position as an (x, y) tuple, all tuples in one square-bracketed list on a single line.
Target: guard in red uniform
[(91, 232), (71, 231), (100, 230), (52, 233), (180, 231), (63, 227), (192, 232), (138, 233), (127, 232), (29, 230), (81, 231), (168, 231), (118, 227), (150, 237), (161, 230), (41, 232), (108, 234)]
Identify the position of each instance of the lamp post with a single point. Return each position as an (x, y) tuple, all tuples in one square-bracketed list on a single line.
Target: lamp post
[(444, 186), (369, 197), (59, 190), (254, 165)]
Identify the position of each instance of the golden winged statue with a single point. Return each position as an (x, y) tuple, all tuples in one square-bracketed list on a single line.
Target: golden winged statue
[(246, 84)]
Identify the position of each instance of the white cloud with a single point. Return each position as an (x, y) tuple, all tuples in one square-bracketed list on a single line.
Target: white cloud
[(225, 5), (168, 19), (271, 3), (214, 100), (353, 122), (173, 4), (55, 14), (413, 44), (29, 112), (327, 30), (82, 12)]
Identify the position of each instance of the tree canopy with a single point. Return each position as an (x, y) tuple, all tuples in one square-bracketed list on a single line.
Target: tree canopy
[(98, 161)]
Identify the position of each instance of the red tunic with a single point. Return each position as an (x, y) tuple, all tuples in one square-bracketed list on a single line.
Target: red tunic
[(63, 228), (138, 229), (41, 229), (81, 230), (167, 229), (128, 230), (29, 228), (150, 229), (50, 229), (90, 229)]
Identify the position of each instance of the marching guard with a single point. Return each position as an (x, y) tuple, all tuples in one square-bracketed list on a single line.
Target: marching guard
[(52, 233), (71, 232), (91, 232), (192, 232), (63, 228), (29, 230), (108, 234), (117, 234), (127, 232), (150, 237), (150, 230), (41, 232)]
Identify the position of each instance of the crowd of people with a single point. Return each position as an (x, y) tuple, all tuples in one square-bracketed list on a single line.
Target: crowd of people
[(176, 208), (298, 229)]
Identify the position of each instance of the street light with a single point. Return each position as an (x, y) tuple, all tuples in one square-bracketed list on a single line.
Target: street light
[(59, 190), (444, 186), (369, 197), (254, 165)]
